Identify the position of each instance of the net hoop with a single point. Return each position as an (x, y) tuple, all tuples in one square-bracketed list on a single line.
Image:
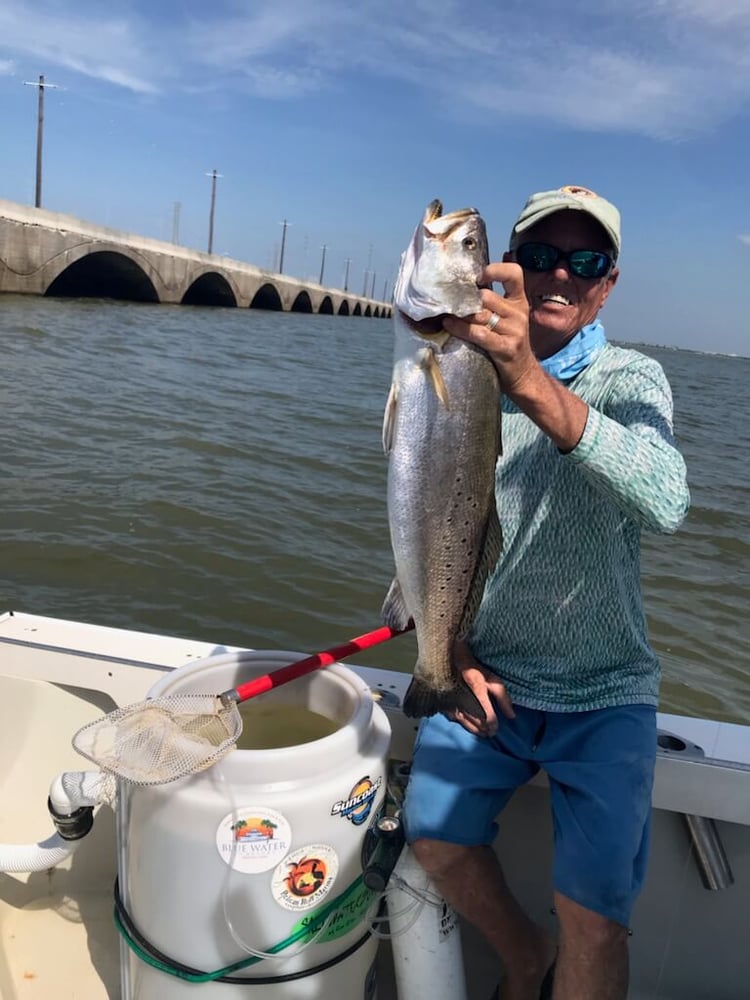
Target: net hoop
[(160, 740)]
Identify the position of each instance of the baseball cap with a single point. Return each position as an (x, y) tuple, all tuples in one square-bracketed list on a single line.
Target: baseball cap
[(545, 203)]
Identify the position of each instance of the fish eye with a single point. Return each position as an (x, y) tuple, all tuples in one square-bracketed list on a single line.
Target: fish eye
[(469, 243)]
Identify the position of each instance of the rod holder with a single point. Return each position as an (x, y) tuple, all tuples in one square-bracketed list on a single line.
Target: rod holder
[(709, 853)]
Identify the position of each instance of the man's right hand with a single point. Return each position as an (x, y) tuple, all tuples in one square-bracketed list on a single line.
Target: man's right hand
[(484, 683)]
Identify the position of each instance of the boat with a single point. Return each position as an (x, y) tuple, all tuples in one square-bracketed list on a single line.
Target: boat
[(57, 933)]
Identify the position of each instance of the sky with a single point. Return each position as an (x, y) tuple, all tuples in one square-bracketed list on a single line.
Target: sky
[(347, 117)]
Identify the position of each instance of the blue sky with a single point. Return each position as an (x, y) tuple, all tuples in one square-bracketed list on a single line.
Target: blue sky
[(347, 118)]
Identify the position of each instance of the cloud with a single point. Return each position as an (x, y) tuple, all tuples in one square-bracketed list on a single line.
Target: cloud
[(7, 67), (744, 239), (96, 45), (662, 68)]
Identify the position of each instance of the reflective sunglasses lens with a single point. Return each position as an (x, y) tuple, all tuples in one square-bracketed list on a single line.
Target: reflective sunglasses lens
[(589, 263), (537, 256)]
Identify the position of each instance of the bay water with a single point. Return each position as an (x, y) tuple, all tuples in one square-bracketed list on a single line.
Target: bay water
[(218, 474)]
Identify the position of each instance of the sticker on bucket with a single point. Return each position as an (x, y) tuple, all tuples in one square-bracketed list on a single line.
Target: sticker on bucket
[(304, 878), (356, 807), (349, 913), (252, 838)]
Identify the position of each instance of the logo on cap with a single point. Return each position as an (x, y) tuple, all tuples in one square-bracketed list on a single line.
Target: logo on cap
[(579, 191)]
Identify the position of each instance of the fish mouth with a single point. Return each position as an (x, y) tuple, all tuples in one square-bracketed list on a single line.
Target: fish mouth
[(435, 211), (429, 327)]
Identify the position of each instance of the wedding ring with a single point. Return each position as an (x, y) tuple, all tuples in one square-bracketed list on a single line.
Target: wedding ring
[(492, 321)]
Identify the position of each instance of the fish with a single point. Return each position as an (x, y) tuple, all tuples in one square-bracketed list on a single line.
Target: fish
[(441, 433)]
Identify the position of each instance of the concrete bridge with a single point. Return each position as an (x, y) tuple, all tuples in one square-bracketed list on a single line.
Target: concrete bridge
[(46, 253)]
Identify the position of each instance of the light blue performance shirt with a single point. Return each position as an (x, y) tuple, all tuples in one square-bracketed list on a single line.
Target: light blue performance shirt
[(561, 621)]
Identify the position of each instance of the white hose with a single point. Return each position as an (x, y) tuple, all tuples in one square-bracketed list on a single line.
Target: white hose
[(69, 791), (73, 789), (36, 857)]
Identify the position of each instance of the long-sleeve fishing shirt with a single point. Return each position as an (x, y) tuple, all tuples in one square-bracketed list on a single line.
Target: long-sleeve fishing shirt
[(562, 621)]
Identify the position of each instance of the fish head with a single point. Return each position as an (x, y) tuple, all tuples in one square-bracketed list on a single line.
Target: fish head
[(442, 265)]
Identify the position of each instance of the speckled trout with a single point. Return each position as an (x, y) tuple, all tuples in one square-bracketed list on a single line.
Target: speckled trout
[(441, 433)]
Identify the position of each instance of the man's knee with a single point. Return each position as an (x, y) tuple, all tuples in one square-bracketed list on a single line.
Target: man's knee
[(578, 923), (438, 858)]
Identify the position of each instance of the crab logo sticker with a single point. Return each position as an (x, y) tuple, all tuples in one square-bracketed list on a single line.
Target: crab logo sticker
[(252, 838), (304, 878), (357, 806)]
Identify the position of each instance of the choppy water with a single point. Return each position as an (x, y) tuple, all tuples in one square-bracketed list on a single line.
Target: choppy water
[(218, 474)]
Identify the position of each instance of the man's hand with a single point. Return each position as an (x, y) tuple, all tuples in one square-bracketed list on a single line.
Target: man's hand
[(559, 413), (508, 345), (483, 683)]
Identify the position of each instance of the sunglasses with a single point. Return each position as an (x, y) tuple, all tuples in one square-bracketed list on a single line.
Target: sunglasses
[(581, 263)]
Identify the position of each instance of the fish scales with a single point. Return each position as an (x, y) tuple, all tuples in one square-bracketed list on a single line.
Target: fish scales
[(442, 434)]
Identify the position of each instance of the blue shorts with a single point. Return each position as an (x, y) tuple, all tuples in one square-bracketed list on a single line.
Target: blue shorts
[(600, 767)]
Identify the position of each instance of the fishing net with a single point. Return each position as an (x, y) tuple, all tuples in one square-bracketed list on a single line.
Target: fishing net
[(157, 741)]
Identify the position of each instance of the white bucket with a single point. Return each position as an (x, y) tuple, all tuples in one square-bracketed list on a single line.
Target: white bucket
[(260, 842)]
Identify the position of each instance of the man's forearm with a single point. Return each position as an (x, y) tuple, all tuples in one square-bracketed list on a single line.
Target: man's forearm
[(554, 409)]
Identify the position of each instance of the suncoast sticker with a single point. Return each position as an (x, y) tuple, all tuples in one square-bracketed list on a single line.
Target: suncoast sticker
[(253, 838), (356, 807), (305, 877)]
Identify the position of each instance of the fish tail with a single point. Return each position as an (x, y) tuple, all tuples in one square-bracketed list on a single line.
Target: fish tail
[(422, 700)]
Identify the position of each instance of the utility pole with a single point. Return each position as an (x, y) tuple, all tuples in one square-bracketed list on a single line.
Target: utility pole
[(39, 134), (284, 226), (213, 175), (322, 262), (385, 285), (364, 282), (347, 261), (176, 222), (372, 286)]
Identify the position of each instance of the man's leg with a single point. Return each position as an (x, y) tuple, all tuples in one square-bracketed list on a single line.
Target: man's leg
[(592, 963), (459, 784), (471, 880), (600, 765)]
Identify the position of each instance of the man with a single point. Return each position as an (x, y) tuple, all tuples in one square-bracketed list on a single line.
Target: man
[(558, 655)]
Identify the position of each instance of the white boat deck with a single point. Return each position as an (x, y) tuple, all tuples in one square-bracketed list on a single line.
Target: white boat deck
[(56, 932)]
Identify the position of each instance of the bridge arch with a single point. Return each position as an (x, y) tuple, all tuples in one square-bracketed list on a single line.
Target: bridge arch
[(102, 273), (210, 289), (267, 297), (302, 303), (326, 306), (368, 310), (357, 311), (344, 308)]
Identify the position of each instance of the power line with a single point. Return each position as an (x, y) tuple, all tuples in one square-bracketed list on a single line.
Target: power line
[(213, 175), (39, 133), (285, 225), (322, 262)]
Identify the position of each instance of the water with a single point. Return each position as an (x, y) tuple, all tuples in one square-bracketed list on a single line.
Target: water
[(218, 474)]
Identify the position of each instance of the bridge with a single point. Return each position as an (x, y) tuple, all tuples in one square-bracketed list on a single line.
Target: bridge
[(48, 253)]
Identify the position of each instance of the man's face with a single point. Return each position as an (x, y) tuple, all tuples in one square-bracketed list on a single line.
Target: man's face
[(559, 302)]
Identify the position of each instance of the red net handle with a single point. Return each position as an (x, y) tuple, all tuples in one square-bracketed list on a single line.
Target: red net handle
[(323, 659)]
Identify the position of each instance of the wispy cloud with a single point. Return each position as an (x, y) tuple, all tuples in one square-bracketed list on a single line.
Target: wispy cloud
[(68, 36), (744, 239), (7, 67), (663, 68)]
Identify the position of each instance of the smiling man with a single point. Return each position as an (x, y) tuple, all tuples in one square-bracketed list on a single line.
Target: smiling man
[(558, 655)]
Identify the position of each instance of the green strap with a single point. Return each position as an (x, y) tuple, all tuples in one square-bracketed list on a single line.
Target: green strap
[(318, 918)]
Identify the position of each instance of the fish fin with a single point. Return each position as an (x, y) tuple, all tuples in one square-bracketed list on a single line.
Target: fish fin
[(430, 366), (492, 546), (389, 420), (394, 612), (422, 700)]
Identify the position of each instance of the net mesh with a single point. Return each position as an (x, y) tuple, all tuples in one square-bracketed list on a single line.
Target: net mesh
[(158, 741)]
